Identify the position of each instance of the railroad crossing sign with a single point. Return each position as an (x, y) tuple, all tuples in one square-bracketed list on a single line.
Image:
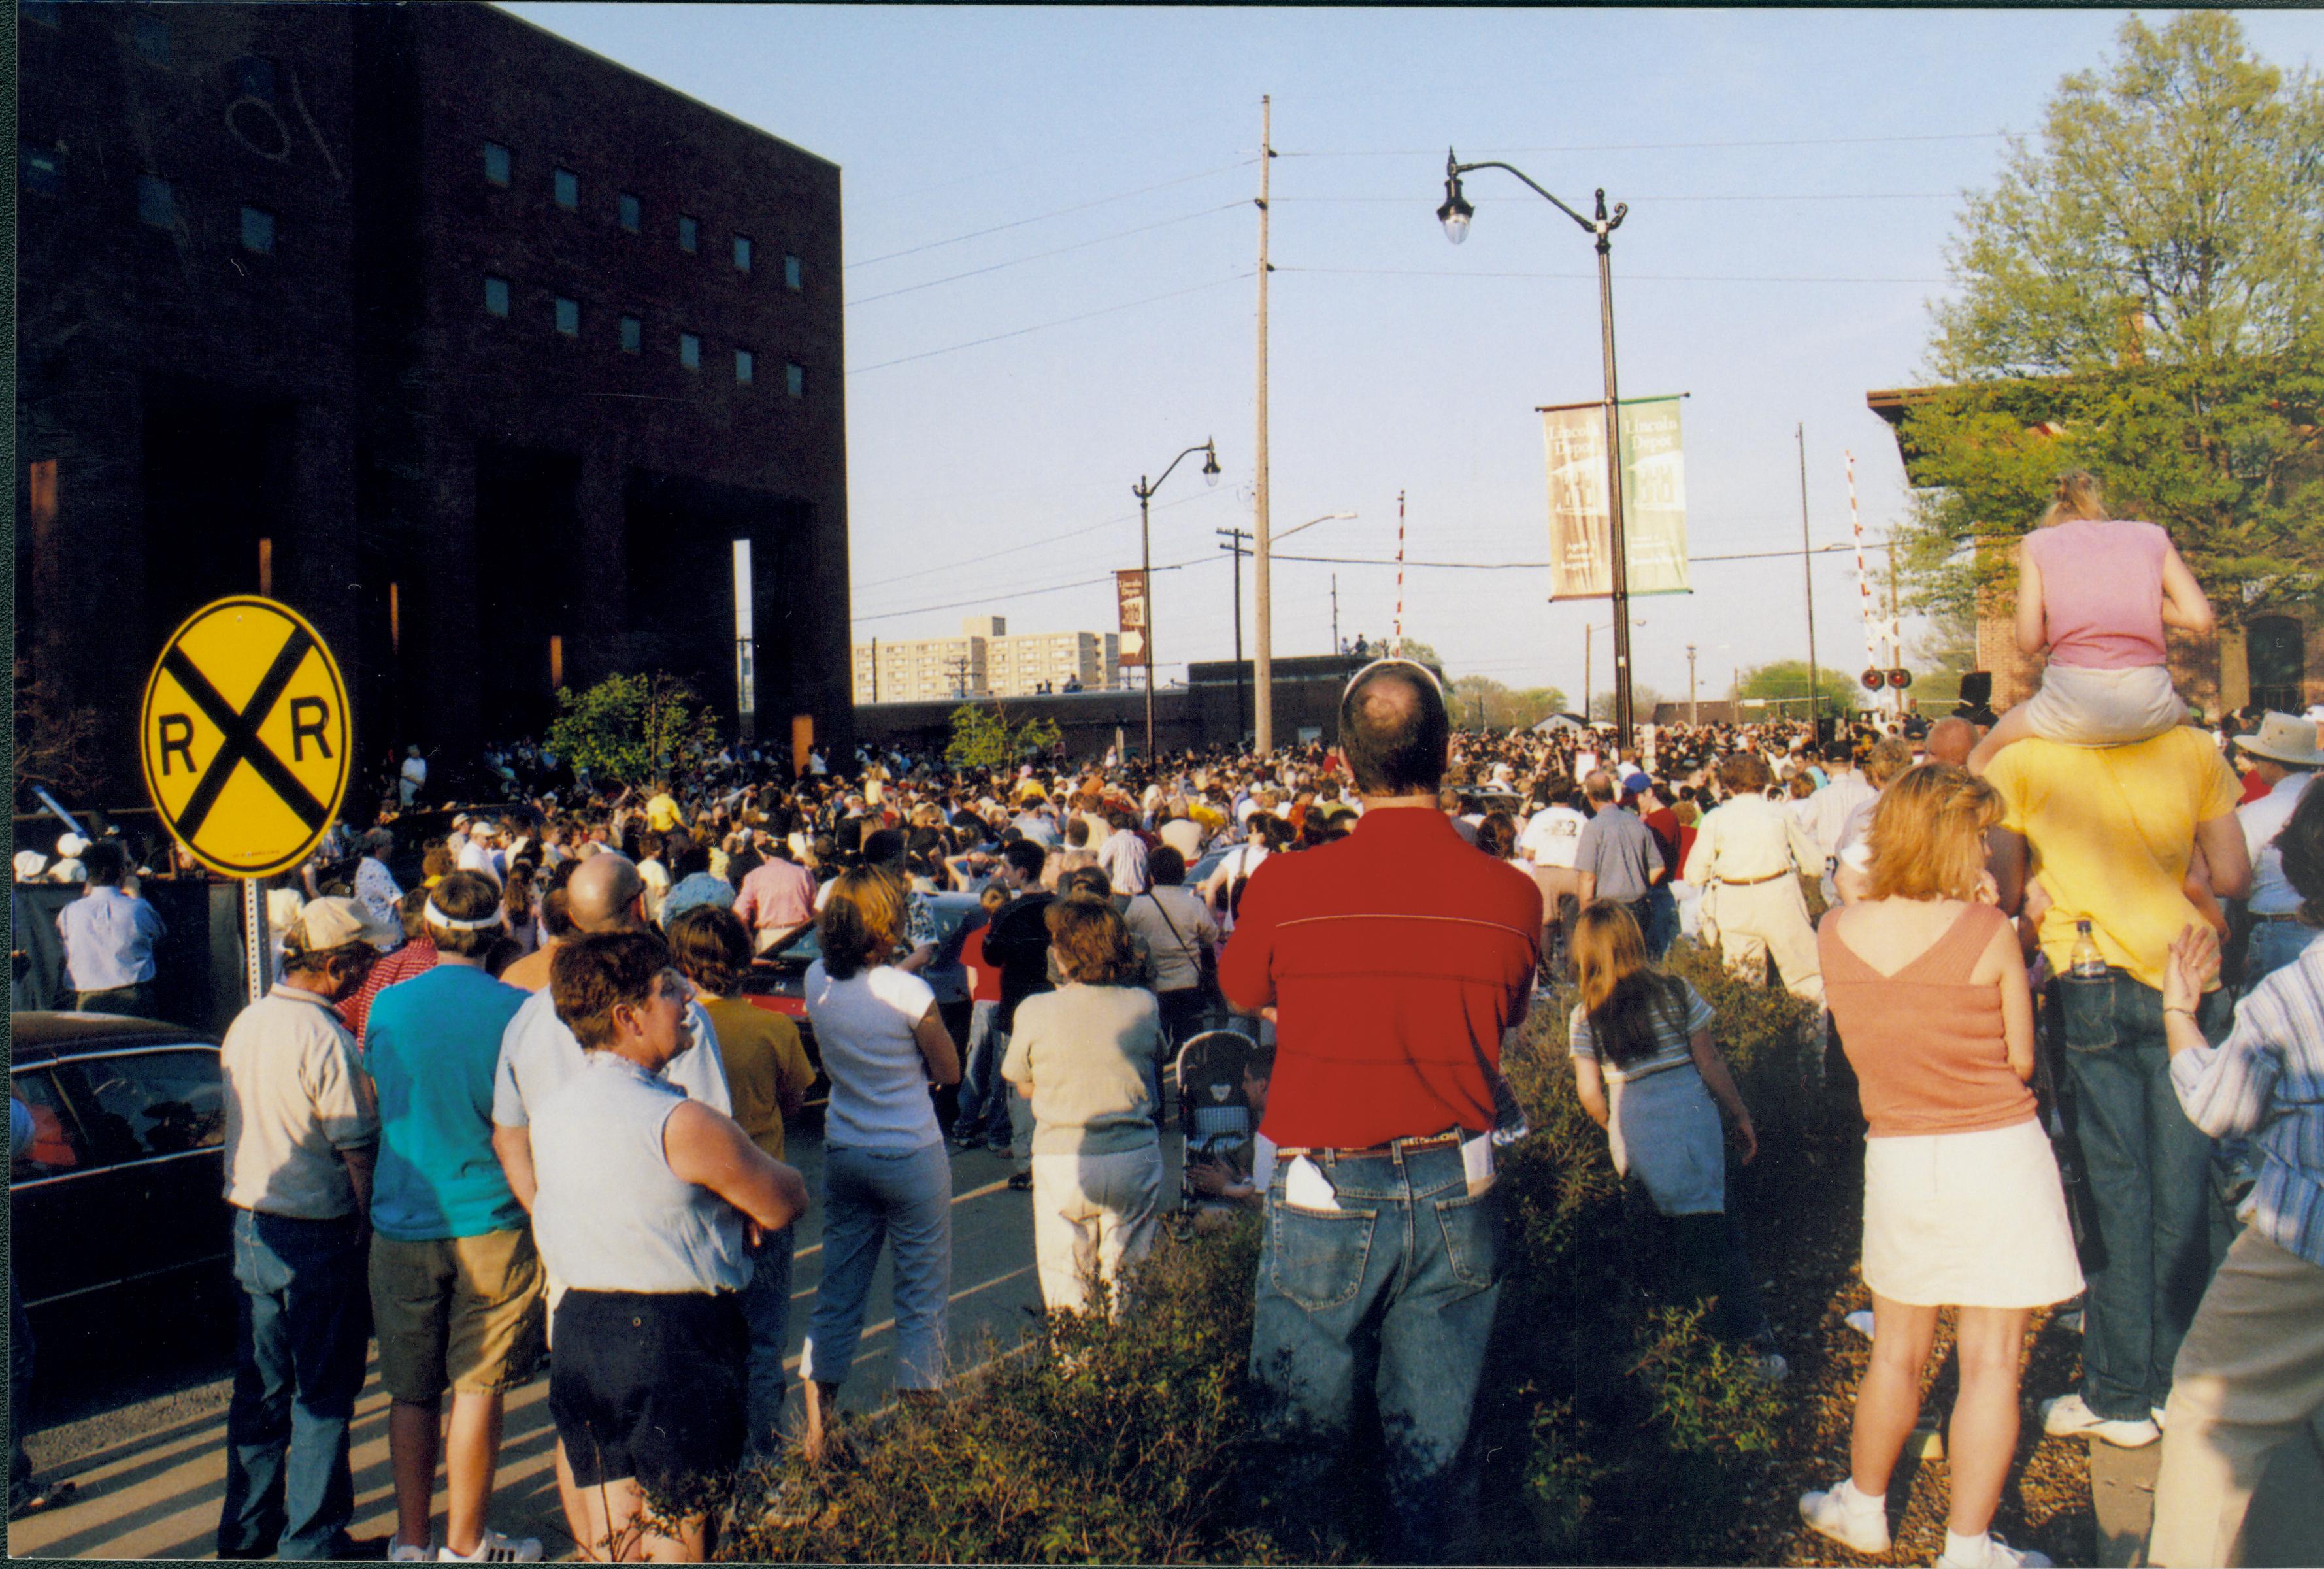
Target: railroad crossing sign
[(246, 736)]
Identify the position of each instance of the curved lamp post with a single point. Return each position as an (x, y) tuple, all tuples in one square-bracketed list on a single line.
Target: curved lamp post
[(1144, 491), (1455, 215)]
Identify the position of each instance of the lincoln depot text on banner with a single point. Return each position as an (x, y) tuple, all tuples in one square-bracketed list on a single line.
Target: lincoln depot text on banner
[(1653, 498)]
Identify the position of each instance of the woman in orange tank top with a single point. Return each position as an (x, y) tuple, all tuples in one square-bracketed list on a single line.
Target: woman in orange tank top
[(1963, 1204)]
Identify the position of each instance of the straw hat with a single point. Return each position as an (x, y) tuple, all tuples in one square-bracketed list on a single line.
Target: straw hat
[(2282, 739)]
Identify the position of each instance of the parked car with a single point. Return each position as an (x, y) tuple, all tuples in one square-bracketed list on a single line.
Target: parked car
[(119, 1199)]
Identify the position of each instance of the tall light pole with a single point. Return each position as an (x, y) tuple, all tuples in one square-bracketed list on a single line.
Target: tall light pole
[(1589, 635), (1693, 714), (1455, 215), (1144, 491)]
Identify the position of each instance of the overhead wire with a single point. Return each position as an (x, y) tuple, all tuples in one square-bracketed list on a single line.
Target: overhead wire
[(1626, 277), (1030, 593), (1079, 530), (1655, 146), (1045, 326), (1045, 255), (1044, 217)]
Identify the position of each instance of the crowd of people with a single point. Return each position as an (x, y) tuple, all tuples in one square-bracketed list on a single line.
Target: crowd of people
[(527, 1102)]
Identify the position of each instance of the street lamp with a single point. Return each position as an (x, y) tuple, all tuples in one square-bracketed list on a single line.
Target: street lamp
[(1144, 491), (1455, 215), (1588, 634)]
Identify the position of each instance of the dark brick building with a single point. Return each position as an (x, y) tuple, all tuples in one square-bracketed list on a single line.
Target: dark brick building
[(485, 353)]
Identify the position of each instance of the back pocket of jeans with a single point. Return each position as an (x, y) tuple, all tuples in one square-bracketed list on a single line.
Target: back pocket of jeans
[(1317, 1259), (2086, 1008), (1472, 1239)]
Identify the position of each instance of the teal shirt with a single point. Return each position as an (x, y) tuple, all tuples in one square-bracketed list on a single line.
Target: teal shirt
[(432, 1047)]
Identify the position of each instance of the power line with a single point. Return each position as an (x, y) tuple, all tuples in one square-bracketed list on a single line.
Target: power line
[(1044, 217), (1013, 593), (1045, 326), (1634, 200), (1662, 146), (1520, 566), (1076, 531), (1627, 277), (1044, 256)]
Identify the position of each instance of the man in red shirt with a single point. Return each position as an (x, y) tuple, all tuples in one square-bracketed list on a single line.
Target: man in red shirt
[(1394, 959)]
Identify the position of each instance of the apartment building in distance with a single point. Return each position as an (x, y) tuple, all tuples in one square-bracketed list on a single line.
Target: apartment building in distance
[(985, 660)]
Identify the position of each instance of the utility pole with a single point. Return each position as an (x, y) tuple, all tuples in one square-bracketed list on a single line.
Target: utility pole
[(1807, 569), (1262, 583), (875, 669), (1693, 714), (1234, 542), (1335, 612), (1586, 698)]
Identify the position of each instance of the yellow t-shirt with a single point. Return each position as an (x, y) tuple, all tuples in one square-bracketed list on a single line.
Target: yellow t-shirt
[(2111, 830), (662, 814), (763, 1057)]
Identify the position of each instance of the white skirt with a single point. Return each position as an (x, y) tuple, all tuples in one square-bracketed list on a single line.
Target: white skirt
[(2080, 706), (1968, 1220)]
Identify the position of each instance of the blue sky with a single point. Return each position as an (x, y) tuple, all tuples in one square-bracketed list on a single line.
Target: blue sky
[(1793, 178)]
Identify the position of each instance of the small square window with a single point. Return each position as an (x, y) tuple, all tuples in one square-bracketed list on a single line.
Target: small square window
[(745, 364), (632, 213), (568, 190), (152, 36), (795, 380), (689, 351), (40, 171), (157, 201), (258, 230), (496, 296), (496, 163), (253, 77), (742, 253), (688, 235), (633, 335), (568, 316), (794, 275)]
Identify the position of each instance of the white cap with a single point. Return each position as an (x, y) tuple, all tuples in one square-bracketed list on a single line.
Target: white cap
[(71, 844)]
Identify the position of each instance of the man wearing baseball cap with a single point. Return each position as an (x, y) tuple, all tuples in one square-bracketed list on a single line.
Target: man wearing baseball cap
[(2282, 754), (301, 1128)]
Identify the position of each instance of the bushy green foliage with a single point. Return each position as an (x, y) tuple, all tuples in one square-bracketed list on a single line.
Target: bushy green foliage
[(628, 728), (982, 738), (1837, 692)]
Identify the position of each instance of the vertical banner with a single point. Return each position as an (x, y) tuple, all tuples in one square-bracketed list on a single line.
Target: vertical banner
[(1653, 496), (1129, 595)]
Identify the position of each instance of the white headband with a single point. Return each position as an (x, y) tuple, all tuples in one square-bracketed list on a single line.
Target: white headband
[(435, 916)]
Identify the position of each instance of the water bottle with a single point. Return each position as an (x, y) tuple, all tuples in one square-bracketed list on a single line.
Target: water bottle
[(2087, 962)]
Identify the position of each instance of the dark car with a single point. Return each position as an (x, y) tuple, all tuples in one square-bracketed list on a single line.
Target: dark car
[(118, 1200), (778, 977)]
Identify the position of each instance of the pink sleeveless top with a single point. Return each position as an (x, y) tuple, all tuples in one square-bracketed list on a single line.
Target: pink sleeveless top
[(1927, 1045), (2102, 592)]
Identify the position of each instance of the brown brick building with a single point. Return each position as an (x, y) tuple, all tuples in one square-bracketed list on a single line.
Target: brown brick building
[(2271, 655), (487, 355)]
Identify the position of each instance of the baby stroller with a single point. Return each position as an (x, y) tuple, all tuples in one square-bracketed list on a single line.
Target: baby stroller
[(1214, 1113)]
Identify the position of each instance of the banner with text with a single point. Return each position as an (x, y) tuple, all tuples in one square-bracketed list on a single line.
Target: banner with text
[(1654, 499), (1129, 595)]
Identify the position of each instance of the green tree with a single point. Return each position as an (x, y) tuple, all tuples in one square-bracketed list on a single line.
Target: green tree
[(2140, 296), (1643, 700), (1784, 686), (628, 728), (982, 738), (1481, 699)]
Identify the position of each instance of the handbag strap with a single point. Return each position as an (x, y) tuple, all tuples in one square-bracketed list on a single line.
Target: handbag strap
[(1163, 911)]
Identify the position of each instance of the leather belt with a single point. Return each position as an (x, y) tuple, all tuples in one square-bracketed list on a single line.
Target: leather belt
[(1449, 1137), (1753, 881)]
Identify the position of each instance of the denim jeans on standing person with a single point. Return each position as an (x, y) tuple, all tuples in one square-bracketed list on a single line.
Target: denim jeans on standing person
[(767, 1310), (1710, 1263), (2147, 1258), (1386, 1303), (871, 1196), (1662, 919), (984, 1093), (2273, 945), (300, 1325)]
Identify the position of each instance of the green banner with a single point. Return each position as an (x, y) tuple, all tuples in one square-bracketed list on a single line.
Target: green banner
[(1654, 499)]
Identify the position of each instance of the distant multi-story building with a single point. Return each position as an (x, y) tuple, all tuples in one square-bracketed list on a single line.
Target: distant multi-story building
[(505, 365), (986, 660)]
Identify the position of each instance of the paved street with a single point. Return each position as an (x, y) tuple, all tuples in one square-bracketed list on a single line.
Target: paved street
[(150, 1472)]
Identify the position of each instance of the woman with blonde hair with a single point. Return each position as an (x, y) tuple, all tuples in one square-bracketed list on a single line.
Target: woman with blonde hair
[(1963, 1204), (1648, 1072), (885, 1174), (1087, 1056)]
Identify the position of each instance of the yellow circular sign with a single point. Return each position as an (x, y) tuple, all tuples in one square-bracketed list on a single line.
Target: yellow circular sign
[(246, 736)]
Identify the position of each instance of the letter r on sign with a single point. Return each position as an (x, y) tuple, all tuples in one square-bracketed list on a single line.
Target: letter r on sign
[(310, 716), (176, 736)]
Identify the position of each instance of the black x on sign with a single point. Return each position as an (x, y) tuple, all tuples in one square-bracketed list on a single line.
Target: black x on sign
[(246, 736)]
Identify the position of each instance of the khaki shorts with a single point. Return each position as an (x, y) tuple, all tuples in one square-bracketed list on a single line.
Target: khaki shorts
[(463, 1311)]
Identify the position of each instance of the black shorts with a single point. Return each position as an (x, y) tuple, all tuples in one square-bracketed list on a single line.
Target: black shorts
[(648, 1384)]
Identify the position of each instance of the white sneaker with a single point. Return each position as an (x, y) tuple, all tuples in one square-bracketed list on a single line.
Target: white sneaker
[(405, 1552), (492, 1547), (1863, 1527), (2067, 1416), (2156, 1412), (1860, 1321), (1996, 1554)]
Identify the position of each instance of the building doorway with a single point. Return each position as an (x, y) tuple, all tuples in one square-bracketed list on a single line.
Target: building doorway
[(2276, 655)]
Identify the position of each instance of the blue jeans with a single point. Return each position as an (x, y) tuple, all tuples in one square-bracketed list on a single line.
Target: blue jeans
[(871, 1196), (984, 1093), (300, 1325), (767, 1310), (2273, 945), (1662, 919), (2147, 1257), (1390, 1298)]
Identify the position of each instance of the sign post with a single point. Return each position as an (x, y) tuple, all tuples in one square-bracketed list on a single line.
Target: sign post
[(246, 743)]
